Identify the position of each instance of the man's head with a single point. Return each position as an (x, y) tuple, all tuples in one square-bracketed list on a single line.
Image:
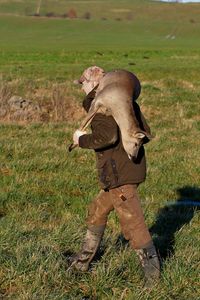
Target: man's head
[(90, 78)]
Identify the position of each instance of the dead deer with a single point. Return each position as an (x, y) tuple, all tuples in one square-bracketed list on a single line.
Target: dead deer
[(114, 96)]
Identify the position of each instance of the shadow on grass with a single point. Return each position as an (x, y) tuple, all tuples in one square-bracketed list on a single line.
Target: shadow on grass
[(172, 218)]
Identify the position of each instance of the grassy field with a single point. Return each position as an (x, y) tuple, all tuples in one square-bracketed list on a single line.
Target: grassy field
[(44, 190)]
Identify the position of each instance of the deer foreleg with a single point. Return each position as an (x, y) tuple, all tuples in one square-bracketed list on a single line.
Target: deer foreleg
[(86, 122), (88, 119)]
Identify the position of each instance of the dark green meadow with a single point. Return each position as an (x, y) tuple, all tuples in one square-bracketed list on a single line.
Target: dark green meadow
[(44, 190)]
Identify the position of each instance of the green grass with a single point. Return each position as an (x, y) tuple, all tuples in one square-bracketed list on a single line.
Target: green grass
[(31, 34), (44, 206), (44, 190)]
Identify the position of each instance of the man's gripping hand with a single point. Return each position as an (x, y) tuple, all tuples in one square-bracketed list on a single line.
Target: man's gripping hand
[(77, 135)]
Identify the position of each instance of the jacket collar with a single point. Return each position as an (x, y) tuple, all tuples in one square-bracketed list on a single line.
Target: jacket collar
[(89, 98)]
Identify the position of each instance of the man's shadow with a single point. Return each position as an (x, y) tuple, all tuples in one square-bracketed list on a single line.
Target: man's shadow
[(172, 218)]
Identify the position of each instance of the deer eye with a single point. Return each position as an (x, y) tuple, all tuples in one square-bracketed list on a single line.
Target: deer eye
[(136, 144)]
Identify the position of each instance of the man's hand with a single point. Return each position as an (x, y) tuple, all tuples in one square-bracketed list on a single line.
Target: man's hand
[(77, 135)]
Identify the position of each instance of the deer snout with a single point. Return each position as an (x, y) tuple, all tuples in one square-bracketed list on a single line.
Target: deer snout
[(134, 154)]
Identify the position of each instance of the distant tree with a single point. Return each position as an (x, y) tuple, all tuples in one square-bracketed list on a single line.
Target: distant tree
[(87, 15), (50, 14), (38, 7), (72, 14), (65, 15)]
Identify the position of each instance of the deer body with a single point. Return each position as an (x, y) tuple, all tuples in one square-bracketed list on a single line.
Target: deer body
[(114, 96)]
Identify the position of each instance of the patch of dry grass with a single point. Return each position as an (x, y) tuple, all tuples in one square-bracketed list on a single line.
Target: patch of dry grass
[(56, 102)]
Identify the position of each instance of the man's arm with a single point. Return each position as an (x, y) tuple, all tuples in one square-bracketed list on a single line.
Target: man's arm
[(104, 133)]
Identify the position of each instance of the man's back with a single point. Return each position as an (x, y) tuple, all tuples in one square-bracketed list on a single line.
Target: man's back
[(113, 165)]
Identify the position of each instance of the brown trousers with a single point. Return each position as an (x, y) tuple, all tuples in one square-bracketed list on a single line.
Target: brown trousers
[(125, 201)]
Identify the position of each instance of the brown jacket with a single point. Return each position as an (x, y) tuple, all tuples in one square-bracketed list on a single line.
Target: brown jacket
[(113, 165)]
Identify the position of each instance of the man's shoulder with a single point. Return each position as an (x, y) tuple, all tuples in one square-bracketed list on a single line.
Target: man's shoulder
[(99, 117)]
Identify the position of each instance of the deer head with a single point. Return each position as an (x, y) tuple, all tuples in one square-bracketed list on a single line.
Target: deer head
[(133, 145)]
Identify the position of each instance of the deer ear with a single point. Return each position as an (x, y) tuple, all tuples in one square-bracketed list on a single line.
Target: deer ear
[(140, 135)]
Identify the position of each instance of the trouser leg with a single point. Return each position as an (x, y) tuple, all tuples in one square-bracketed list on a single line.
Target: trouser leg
[(99, 209), (128, 207), (96, 221)]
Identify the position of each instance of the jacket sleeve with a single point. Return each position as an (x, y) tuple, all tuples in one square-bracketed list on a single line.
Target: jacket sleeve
[(104, 133)]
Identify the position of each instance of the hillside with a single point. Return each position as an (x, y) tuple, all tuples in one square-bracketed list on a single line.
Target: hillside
[(123, 24), (111, 9)]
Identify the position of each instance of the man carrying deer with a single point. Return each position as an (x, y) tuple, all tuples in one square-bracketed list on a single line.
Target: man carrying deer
[(120, 171)]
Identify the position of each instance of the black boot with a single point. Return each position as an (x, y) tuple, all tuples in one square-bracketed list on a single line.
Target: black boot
[(82, 259), (150, 264)]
